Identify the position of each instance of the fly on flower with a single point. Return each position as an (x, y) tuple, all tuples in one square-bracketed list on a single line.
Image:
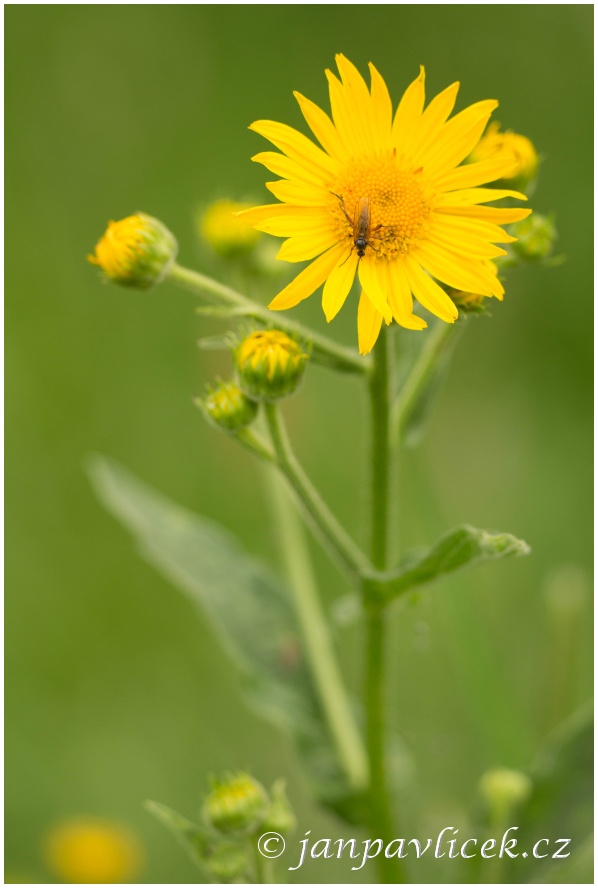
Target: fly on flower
[(410, 213)]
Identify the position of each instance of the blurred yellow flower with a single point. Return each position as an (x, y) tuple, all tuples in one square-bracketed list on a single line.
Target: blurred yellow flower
[(221, 228), (136, 251), (93, 851), (520, 150), (385, 199)]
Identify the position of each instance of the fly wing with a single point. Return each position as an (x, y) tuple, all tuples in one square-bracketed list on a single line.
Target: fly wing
[(362, 220)]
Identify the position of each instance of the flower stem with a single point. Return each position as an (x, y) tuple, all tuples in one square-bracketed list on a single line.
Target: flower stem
[(324, 351), (433, 348), (317, 641), (338, 540), (380, 807)]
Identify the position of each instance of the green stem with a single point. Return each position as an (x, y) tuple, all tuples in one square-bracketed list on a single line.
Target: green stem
[(435, 344), (380, 807), (317, 641), (338, 540), (324, 351)]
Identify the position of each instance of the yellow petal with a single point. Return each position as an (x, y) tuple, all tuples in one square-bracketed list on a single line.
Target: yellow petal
[(338, 285), (405, 124), (315, 221), (309, 279), (428, 292), (457, 138), (462, 274), (472, 174), (296, 146), (381, 110), (298, 193), (322, 127), (300, 249), (434, 117), (375, 285), (257, 215), (477, 229), (369, 321), (470, 196), (350, 126), (462, 245), (287, 168), (500, 216), (400, 298)]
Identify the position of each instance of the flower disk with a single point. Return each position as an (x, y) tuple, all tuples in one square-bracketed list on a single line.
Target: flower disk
[(386, 198)]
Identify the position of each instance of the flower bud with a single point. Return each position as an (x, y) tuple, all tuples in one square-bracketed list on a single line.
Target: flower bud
[(228, 407), (269, 364), (469, 303), (226, 234), (279, 817), (504, 791), (137, 251), (519, 148), (536, 237), (236, 804)]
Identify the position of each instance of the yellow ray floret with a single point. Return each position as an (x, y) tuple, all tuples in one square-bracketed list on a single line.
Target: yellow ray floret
[(386, 197)]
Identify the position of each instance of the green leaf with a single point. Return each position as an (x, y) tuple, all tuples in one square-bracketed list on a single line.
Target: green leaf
[(561, 804), (248, 607), (197, 841), (460, 547)]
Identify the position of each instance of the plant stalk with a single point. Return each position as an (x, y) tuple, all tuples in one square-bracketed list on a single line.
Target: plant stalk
[(337, 539), (324, 351), (317, 641), (380, 807)]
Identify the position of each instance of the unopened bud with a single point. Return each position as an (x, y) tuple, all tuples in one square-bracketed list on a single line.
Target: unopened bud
[(236, 803), (137, 251), (228, 407), (494, 145), (536, 237), (504, 790), (226, 234), (270, 364), (279, 817)]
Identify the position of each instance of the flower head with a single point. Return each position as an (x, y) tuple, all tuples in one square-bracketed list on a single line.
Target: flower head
[(236, 803), (269, 364), (221, 228), (387, 199), (93, 851), (136, 251), (519, 149), (228, 407)]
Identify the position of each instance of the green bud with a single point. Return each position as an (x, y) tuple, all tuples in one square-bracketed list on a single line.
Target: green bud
[(236, 804), (270, 364), (228, 862), (536, 237), (279, 817), (137, 251), (228, 407), (504, 791)]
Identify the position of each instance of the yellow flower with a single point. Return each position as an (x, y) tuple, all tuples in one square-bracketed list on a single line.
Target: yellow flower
[(221, 228), (508, 145), (136, 251), (269, 364), (385, 198), (93, 851)]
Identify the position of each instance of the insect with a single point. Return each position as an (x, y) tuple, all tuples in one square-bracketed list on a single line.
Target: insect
[(361, 223)]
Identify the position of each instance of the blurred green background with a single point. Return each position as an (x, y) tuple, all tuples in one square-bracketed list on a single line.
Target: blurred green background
[(116, 692)]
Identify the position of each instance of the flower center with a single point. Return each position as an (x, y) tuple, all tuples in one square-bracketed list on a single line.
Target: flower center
[(379, 207)]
